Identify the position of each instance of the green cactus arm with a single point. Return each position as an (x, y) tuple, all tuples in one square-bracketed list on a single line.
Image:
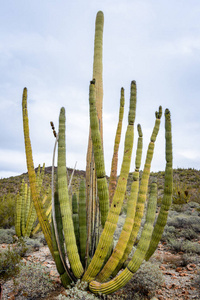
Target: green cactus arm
[(102, 187), (48, 214), (113, 173), (24, 199), (32, 176), (138, 257), (139, 149), (32, 215), (18, 211), (57, 230), (142, 190), (91, 184), (65, 206), (76, 219), (168, 189), (82, 222), (118, 252), (28, 203), (59, 257), (113, 215), (98, 65), (145, 238)]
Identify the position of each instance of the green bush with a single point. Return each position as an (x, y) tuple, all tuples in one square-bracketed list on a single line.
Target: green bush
[(9, 263), (185, 221), (39, 236), (34, 281), (184, 246), (190, 259), (7, 211), (6, 236), (33, 244), (78, 291), (147, 280)]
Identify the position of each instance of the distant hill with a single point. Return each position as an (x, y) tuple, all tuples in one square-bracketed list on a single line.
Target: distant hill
[(186, 178)]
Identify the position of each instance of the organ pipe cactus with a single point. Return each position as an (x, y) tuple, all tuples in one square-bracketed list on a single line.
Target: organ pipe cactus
[(96, 261), (25, 213)]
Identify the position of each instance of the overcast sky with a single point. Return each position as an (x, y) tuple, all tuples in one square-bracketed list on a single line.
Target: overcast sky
[(47, 46)]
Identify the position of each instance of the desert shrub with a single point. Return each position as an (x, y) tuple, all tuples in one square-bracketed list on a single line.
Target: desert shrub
[(184, 221), (39, 236), (191, 247), (184, 246), (190, 259), (9, 263), (168, 233), (175, 244), (6, 235), (33, 281), (78, 291), (147, 279), (33, 244), (7, 211), (188, 233)]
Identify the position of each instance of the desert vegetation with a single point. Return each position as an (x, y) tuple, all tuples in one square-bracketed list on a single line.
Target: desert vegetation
[(181, 236)]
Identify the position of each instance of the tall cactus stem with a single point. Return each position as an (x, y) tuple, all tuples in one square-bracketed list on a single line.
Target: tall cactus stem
[(142, 194), (65, 206), (168, 189), (57, 230), (124, 237), (102, 187), (113, 173), (32, 176), (82, 222), (106, 238), (91, 184)]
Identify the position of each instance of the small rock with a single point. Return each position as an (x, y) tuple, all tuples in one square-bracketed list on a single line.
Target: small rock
[(179, 269)]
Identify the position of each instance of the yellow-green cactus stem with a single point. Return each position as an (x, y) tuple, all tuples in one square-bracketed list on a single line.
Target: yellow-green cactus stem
[(142, 194), (32, 217), (118, 252), (42, 218), (28, 203), (91, 184), (138, 257), (106, 238), (82, 221), (18, 211), (57, 256), (102, 187), (139, 149), (113, 173), (57, 230), (168, 189), (48, 214), (24, 198), (75, 217), (65, 206)]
